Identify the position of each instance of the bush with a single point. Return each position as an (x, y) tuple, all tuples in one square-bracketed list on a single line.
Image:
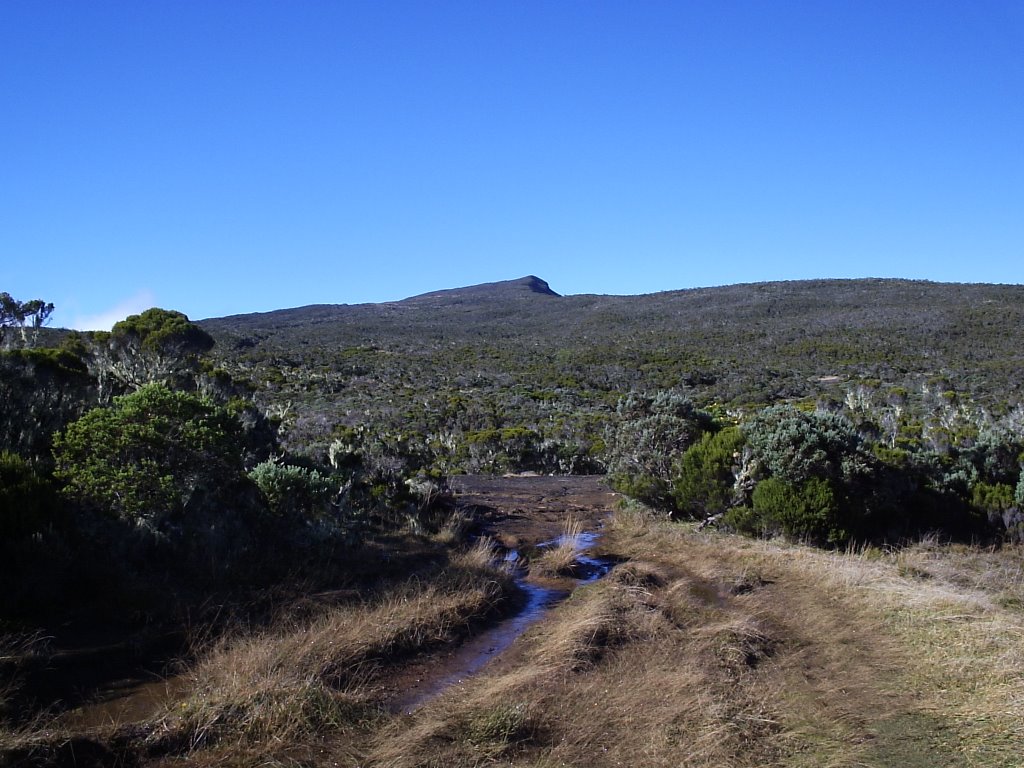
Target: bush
[(795, 446), (144, 458), (996, 497), (838, 487), (808, 511), (704, 476), (651, 434), (293, 491)]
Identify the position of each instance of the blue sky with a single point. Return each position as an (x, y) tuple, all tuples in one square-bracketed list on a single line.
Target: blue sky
[(226, 157)]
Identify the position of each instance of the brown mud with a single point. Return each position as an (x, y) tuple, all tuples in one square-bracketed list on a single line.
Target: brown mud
[(525, 510), (521, 514)]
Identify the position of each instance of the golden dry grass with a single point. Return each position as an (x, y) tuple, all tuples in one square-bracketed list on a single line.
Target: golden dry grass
[(258, 693), (560, 560), (712, 650)]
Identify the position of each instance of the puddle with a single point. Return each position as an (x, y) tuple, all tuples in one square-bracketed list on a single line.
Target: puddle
[(474, 654), (130, 703), (587, 568), (471, 657)]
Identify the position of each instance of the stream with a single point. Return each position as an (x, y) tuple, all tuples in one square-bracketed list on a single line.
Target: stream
[(471, 656)]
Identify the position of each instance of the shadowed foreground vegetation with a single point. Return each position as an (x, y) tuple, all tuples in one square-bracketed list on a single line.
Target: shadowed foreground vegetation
[(698, 650)]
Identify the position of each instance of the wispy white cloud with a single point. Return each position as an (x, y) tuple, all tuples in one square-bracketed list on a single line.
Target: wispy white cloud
[(104, 321)]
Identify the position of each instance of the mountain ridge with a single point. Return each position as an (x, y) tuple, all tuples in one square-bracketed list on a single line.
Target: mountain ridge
[(531, 285)]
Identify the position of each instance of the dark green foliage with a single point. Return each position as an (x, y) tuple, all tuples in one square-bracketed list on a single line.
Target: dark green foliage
[(992, 498), (41, 390), (61, 361), (158, 345), (703, 478), (652, 433), (144, 458), (28, 503), (163, 331), (808, 511)]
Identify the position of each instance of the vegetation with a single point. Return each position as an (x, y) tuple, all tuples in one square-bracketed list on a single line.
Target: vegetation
[(147, 457), (276, 487), (28, 504), (703, 479), (443, 368), (34, 313)]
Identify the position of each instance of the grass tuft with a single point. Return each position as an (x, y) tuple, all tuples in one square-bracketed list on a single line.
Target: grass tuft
[(561, 560)]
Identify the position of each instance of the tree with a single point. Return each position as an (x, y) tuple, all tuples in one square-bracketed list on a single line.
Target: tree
[(159, 345), (34, 313)]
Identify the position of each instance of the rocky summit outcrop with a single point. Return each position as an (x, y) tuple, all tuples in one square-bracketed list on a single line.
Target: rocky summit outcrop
[(504, 289)]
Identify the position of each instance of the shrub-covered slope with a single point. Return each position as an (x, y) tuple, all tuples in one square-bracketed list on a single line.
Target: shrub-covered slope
[(514, 355)]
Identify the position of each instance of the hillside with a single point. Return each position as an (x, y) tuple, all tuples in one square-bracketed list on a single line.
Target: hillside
[(517, 354)]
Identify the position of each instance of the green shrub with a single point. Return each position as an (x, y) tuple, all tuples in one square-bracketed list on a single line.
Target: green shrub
[(163, 331), (293, 491), (831, 473), (703, 478), (143, 458), (996, 497), (808, 511), (651, 434), (796, 446)]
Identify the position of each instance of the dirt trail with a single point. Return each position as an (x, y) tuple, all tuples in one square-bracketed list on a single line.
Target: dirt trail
[(518, 513), (525, 510), (698, 650)]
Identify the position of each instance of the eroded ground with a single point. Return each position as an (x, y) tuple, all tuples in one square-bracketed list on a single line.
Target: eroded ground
[(528, 509)]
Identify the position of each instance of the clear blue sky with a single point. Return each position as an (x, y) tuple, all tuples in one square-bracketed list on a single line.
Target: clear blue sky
[(224, 157)]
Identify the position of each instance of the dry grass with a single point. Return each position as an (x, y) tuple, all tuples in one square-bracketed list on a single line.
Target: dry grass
[(282, 688), (455, 530), (712, 650), (956, 610), (560, 560), (701, 650), (17, 653)]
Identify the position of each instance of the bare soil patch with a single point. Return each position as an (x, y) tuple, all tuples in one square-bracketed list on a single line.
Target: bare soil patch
[(525, 510)]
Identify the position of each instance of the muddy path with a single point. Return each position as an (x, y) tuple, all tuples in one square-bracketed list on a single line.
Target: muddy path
[(519, 514), (524, 516), (526, 510)]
